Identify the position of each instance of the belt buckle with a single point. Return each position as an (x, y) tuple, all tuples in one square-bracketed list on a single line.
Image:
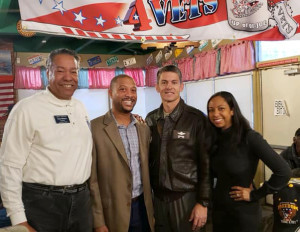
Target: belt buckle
[(66, 188)]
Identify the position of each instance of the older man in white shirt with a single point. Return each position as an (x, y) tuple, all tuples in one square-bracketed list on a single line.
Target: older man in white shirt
[(45, 158)]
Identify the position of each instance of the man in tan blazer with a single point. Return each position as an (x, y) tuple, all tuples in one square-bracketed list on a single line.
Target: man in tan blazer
[(119, 183)]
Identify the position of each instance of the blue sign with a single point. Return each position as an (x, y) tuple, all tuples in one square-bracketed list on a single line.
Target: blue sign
[(94, 60)]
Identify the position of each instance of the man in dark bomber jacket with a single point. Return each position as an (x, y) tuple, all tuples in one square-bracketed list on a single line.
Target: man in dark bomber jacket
[(179, 160)]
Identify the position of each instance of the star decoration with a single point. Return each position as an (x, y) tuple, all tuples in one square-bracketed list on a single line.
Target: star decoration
[(59, 6), (136, 17), (100, 21), (119, 21), (79, 17)]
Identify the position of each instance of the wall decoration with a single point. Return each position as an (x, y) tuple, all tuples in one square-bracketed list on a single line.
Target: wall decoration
[(129, 61), (159, 21), (202, 44), (168, 54), (7, 94), (112, 60), (149, 59), (5, 62), (178, 51), (158, 57), (35, 59), (215, 42), (189, 49), (94, 60)]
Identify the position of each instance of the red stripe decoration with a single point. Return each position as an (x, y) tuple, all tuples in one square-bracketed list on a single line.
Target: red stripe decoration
[(121, 37), (6, 94)]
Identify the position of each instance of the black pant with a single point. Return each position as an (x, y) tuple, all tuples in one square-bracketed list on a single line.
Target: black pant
[(49, 211), (237, 217), (174, 216), (138, 216)]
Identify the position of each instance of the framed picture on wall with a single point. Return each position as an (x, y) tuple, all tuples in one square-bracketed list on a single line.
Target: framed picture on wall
[(5, 62)]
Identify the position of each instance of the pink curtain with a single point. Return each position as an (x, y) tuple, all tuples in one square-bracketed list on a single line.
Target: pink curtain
[(237, 57), (137, 74), (151, 72), (186, 67), (169, 62), (28, 78), (205, 65), (99, 78)]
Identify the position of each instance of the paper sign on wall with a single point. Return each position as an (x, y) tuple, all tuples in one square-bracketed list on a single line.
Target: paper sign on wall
[(280, 108)]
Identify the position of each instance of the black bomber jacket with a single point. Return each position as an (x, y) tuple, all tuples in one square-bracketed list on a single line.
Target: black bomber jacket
[(184, 166)]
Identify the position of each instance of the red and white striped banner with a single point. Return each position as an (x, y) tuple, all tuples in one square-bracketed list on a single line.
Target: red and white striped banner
[(164, 20), (6, 94)]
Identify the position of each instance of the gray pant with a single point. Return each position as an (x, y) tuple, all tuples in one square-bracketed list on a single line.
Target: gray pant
[(48, 211), (174, 216)]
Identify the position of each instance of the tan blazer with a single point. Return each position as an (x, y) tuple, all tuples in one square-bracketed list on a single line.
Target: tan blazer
[(111, 179)]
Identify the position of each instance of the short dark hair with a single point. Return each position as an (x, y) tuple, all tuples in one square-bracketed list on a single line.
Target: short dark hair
[(59, 51), (297, 133), (116, 78), (169, 68), (240, 124)]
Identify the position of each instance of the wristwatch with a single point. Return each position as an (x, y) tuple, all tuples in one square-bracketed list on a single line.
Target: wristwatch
[(204, 203)]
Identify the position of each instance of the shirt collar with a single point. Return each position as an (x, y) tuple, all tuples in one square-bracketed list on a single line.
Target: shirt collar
[(175, 114), (133, 120), (59, 102)]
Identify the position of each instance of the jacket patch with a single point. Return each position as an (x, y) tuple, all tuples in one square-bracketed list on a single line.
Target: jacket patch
[(181, 134)]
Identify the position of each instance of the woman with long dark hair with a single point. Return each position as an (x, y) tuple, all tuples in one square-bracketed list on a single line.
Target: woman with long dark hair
[(233, 165)]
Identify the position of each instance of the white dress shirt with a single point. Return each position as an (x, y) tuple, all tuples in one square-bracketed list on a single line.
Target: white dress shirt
[(47, 141)]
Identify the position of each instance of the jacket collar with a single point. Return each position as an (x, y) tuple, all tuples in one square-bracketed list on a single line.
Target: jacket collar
[(174, 115), (108, 118)]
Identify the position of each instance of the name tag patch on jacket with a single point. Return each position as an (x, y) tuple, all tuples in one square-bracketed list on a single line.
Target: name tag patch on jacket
[(61, 119), (181, 134)]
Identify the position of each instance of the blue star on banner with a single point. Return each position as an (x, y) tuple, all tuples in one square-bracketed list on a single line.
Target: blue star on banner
[(79, 17), (100, 21), (119, 21), (59, 6)]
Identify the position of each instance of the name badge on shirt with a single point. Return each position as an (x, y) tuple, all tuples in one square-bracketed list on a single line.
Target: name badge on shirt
[(61, 119), (181, 134)]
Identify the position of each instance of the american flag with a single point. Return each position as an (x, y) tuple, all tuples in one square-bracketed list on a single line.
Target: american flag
[(6, 94)]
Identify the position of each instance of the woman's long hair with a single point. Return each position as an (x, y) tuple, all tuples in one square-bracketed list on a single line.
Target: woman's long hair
[(240, 124)]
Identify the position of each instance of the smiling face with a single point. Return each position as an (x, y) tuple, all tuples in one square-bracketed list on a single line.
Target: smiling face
[(63, 76), (123, 95), (169, 87), (219, 113)]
